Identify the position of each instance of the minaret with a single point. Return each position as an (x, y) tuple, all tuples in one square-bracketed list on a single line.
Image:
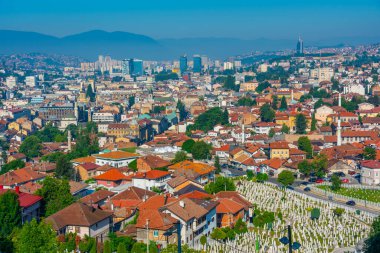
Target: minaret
[(69, 140), (340, 100), (292, 96), (76, 110), (338, 133), (243, 134)]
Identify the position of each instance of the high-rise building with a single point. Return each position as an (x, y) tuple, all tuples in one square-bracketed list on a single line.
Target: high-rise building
[(11, 82), (183, 64), (125, 67), (197, 64), (300, 45), (138, 67), (30, 81)]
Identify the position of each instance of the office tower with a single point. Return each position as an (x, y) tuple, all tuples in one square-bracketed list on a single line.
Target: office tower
[(204, 61), (130, 66), (11, 82), (197, 64), (30, 81), (183, 64), (300, 45), (138, 67), (125, 67)]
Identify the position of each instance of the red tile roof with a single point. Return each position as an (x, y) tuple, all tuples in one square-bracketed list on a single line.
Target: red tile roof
[(152, 174), (25, 199), (371, 164), (111, 175)]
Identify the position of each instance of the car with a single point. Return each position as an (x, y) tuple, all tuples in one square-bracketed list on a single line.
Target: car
[(340, 174), (305, 183), (345, 180), (307, 189), (351, 172), (327, 179), (312, 179), (290, 187), (350, 203), (319, 180)]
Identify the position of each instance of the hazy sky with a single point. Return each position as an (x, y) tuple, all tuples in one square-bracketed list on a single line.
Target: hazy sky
[(246, 19)]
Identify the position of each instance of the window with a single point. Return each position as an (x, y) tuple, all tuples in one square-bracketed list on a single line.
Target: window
[(77, 230), (155, 233)]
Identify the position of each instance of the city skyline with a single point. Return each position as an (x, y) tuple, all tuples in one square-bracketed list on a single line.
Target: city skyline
[(242, 20)]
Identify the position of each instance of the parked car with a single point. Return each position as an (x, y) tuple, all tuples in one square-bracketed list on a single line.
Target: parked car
[(290, 187), (312, 179), (345, 180), (351, 172), (319, 180), (307, 189), (327, 179), (350, 203), (339, 174), (305, 183)]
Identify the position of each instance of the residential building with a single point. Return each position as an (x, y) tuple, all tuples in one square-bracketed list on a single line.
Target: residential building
[(370, 172)]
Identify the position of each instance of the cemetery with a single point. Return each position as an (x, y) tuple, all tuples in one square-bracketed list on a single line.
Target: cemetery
[(368, 194), (316, 225)]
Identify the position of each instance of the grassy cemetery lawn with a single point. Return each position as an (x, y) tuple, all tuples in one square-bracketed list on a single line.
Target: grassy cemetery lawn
[(365, 194)]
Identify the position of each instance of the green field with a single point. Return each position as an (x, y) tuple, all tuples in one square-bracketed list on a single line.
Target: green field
[(365, 194)]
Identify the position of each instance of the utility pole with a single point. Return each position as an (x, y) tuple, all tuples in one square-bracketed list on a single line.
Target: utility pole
[(290, 238), (147, 235)]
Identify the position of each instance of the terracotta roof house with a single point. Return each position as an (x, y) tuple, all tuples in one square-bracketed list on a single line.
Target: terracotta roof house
[(153, 179), (177, 183), (20, 177), (272, 166), (151, 162), (134, 193), (199, 172), (86, 170), (30, 204), (370, 172), (97, 198), (228, 212), (193, 215), (112, 178), (81, 219)]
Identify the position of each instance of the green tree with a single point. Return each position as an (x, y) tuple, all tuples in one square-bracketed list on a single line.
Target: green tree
[(286, 178), (90, 93), (188, 145), (315, 213), (369, 153), (304, 144), (267, 114), (107, 247), (284, 105), (225, 117), (218, 234), (10, 213), (274, 102), (240, 227), (272, 132), (56, 195), (304, 167), (207, 120), (338, 212), (319, 103), (131, 101), (179, 157), (250, 175), (182, 110), (229, 83), (319, 165), (261, 177), (133, 165), (372, 244), (220, 184), (313, 123), (262, 86), (203, 240), (285, 129), (201, 150), (31, 146), (64, 169), (13, 165), (35, 238), (52, 157), (301, 124), (217, 165), (336, 183), (121, 248)]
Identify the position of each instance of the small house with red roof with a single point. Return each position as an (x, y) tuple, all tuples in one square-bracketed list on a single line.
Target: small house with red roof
[(370, 172), (112, 178)]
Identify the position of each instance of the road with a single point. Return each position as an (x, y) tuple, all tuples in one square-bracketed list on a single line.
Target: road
[(322, 197)]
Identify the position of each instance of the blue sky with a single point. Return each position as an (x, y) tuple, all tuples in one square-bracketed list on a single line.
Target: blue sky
[(245, 19)]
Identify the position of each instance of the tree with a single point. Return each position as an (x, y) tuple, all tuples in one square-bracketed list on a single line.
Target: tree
[(286, 178), (188, 145), (285, 129), (207, 120), (90, 93), (272, 132), (338, 211), (121, 248), (250, 175), (274, 102), (201, 150), (56, 195), (284, 105), (203, 240), (13, 165), (304, 167), (133, 165), (220, 184), (262, 86), (35, 238), (315, 213), (261, 177), (319, 165), (131, 101), (229, 83), (10, 213), (217, 165), (369, 153), (313, 123), (218, 234), (304, 144), (31, 146), (64, 169), (301, 124), (179, 157), (319, 103), (372, 244), (107, 247), (240, 227), (267, 114), (225, 117), (182, 110), (336, 183)]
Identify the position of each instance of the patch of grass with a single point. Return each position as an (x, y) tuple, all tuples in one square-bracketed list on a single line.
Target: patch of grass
[(130, 150), (364, 194)]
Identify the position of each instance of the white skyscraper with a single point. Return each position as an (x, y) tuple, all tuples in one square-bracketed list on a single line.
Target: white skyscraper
[(30, 81), (11, 82)]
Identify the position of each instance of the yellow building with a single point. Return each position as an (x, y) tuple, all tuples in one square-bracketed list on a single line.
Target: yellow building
[(14, 126), (279, 149)]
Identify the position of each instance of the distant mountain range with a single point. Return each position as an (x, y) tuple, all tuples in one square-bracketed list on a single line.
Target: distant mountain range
[(122, 45)]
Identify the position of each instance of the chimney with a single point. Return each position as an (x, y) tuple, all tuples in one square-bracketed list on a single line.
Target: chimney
[(165, 199), (182, 204), (17, 189)]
